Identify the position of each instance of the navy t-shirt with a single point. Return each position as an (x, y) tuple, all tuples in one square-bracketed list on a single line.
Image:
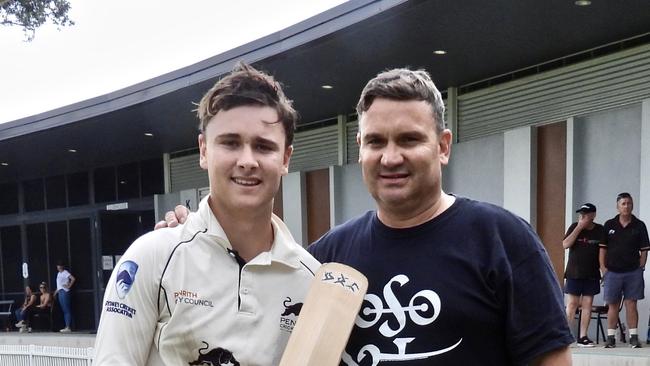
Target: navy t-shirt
[(473, 286)]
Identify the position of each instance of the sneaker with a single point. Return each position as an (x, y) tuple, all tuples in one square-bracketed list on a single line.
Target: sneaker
[(611, 342), (23, 329), (65, 330), (20, 324), (634, 341), (585, 342)]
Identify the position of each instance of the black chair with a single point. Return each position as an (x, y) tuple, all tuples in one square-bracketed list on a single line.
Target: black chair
[(599, 313), (41, 319), (6, 313)]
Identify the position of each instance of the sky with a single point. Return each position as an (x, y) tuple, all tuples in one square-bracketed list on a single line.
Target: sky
[(117, 43)]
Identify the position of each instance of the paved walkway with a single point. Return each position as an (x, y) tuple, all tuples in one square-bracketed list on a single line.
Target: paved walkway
[(622, 355), (75, 339)]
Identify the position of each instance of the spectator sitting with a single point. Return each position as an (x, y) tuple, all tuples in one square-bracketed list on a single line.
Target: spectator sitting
[(45, 304), (45, 300), (22, 313)]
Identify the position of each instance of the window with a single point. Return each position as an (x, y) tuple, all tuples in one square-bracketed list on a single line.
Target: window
[(152, 177), (12, 259), (78, 189), (37, 253), (34, 195), (128, 182), (57, 244), (105, 184), (8, 198), (55, 192), (81, 254)]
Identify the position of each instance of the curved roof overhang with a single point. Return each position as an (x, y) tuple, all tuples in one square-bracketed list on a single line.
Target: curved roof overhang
[(342, 47)]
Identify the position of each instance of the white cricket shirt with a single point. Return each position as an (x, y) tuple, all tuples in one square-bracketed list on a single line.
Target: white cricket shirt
[(178, 297)]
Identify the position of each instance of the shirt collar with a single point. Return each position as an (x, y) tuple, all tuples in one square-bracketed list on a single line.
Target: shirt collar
[(213, 226), (633, 220), (284, 249)]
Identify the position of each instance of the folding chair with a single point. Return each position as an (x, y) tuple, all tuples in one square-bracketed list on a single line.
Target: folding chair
[(42, 319), (599, 313), (6, 313)]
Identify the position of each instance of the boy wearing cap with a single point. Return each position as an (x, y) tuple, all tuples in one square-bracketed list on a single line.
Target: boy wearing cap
[(622, 258), (582, 274)]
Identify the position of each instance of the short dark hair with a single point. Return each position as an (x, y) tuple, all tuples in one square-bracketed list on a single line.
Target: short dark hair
[(246, 86), (404, 85), (623, 195)]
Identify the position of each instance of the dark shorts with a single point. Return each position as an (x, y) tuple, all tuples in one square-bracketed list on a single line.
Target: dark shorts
[(579, 287), (628, 284)]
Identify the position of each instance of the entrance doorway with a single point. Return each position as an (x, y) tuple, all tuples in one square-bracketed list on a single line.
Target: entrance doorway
[(118, 229)]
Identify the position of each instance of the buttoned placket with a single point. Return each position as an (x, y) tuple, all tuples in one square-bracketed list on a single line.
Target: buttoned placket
[(245, 291), (241, 289)]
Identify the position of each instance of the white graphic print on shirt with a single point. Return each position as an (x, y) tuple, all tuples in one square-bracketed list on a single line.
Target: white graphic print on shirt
[(427, 300)]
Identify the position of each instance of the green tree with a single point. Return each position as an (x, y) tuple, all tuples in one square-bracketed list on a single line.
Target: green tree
[(31, 14)]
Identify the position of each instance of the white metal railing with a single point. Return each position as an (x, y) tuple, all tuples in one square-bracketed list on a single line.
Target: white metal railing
[(32, 355)]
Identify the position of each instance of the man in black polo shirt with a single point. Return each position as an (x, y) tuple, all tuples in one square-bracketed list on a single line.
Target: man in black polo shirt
[(583, 239), (622, 260)]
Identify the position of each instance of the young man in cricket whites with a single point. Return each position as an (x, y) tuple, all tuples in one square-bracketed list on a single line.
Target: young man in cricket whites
[(224, 287)]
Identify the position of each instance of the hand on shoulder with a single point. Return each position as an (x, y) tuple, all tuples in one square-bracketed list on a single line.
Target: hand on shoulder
[(174, 218)]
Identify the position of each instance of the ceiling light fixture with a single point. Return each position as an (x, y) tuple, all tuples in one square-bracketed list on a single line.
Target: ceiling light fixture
[(72, 150), (582, 2), (4, 164), (439, 52), (327, 87), (148, 134)]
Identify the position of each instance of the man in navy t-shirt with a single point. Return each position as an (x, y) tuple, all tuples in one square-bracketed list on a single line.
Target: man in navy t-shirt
[(452, 281)]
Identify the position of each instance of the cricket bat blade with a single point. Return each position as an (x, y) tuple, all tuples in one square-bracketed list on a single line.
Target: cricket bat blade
[(327, 317)]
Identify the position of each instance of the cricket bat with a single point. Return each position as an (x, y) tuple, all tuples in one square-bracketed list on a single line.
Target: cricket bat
[(326, 318)]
